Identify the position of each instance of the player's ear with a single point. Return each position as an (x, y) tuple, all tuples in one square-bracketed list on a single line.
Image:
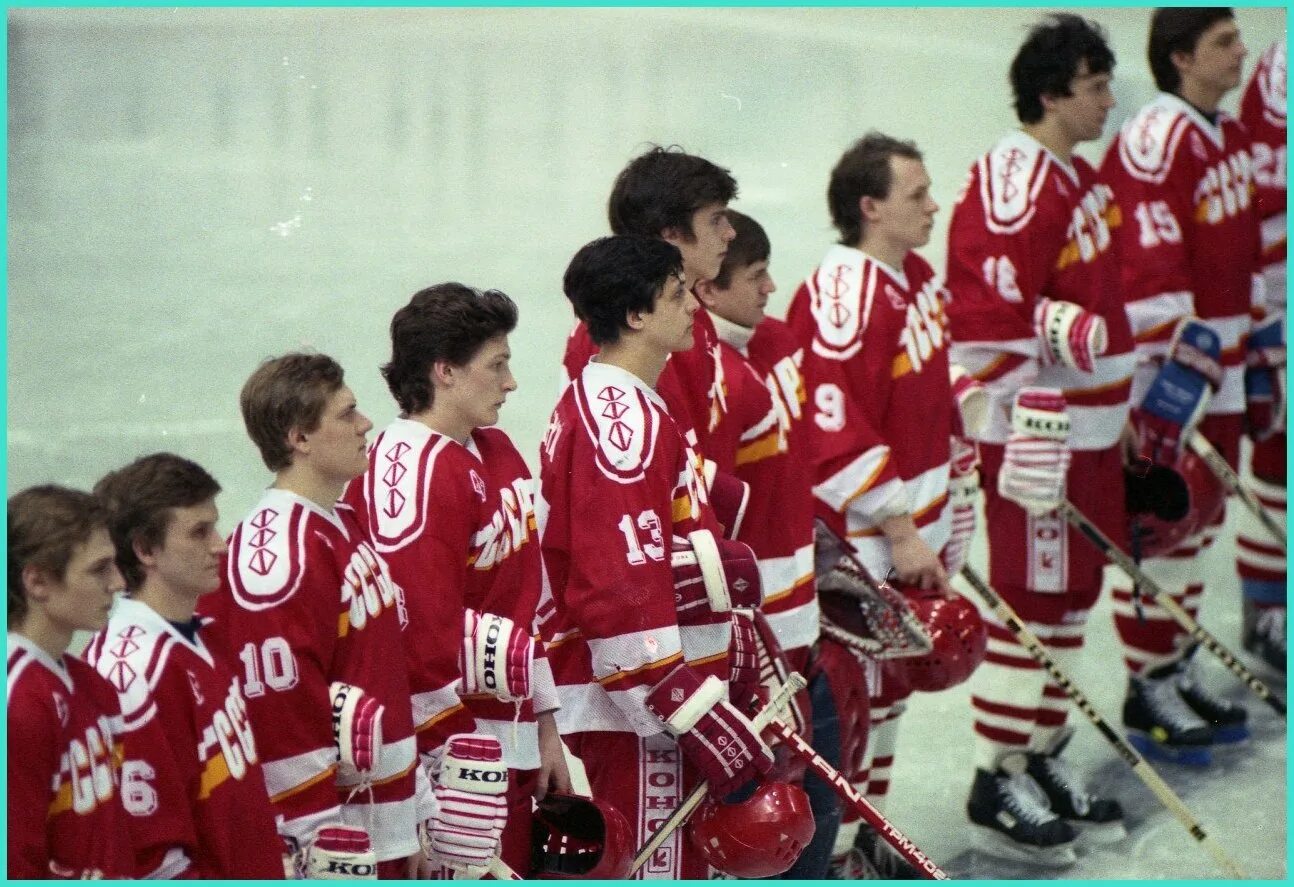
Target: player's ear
[(705, 292), (296, 440), (867, 207), (143, 553), (634, 319), (442, 373), (1181, 59), (674, 236), (37, 582)]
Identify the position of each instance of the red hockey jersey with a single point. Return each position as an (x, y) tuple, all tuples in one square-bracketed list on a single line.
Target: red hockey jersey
[(306, 601), (692, 385), (192, 779), (455, 524), (876, 344), (1190, 242), (1262, 111), (617, 483), (66, 818), (779, 519), (1030, 226)]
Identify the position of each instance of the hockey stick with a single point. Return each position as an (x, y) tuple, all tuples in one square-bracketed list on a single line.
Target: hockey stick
[(1218, 465), (850, 795), (794, 683), (1129, 754), (1193, 628)]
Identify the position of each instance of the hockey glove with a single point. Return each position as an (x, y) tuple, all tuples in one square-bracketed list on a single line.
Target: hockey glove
[(356, 727), (1179, 393), (1070, 335), (743, 660), (341, 853), (963, 489), (712, 576), (729, 496), (471, 805), (1037, 457), (1265, 378), (496, 657), (971, 400), (717, 739)]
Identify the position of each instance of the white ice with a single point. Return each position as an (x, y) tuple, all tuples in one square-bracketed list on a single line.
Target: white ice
[(193, 190)]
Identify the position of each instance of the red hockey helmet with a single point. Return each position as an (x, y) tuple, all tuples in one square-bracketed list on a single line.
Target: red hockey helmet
[(574, 837), (1167, 505), (759, 837), (958, 637)]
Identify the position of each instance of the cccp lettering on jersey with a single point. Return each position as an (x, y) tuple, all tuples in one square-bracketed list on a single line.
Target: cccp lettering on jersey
[(231, 730), (509, 527), (88, 765), (1225, 189), (367, 587)]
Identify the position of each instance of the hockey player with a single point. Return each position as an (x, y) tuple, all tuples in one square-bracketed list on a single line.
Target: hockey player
[(642, 681), (192, 780), (312, 615), (765, 394), (448, 500), (66, 818), (872, 324), (682, 199), (1034, 283), (1182, 174), (1262, 564)]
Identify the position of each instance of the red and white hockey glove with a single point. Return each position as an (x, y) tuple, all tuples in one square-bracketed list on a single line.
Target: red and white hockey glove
[(743, 660), (1180, 392), (496, 657), (712, 576), (717, 739), (1037, 455), (471, 805), (356, 727), (1070, 335), (341, 853), (970, 398), (963, 490), (729, 496)]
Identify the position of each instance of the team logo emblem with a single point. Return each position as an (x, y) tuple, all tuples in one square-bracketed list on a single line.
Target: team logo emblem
[(477, 483), (196, 688), (60, 707)]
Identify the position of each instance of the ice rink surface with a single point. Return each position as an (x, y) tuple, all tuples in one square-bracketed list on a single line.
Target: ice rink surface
[(191, 191)]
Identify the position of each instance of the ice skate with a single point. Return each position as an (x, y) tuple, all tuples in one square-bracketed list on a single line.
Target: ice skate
[(1229, 720), (1098, 820), (1159, 722), (1013, 819)]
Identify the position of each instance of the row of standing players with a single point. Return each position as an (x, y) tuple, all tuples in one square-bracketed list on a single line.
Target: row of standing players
[(280, 725)]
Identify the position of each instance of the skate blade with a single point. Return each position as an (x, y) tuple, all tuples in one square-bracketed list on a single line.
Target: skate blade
[(994, 843), (1097, 834), (1189, 755)]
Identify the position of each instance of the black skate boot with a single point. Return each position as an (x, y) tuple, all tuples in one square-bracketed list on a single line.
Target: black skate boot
[(1014, 820), (1229, 720), (1160, 724), (1264, 633), (1097, 820), (881, 860)]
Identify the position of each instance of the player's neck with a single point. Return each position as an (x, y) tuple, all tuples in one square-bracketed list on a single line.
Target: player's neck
[(1048, 134), (43, 632), (308, 484), (630, 355), (1203, 98), (881, 249), (165, 601), (444, 421)]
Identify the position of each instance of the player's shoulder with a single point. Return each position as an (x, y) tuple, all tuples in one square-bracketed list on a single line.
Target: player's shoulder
[(622, 421), (773, 336), (1150, 140), (32, 677), (1012, 178), (132, 653), (495, 446), (273, 547), (411, 470), (1269, 84)]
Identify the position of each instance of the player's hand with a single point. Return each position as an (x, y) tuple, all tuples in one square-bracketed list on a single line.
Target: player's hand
[(916, 563), (1070, 335), (496, 657), (719, 741), (743, 659), (554, 776), (1036, 461)]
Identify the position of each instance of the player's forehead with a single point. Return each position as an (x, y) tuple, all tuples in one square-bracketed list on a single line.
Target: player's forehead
[(186, 518), (1084, 74), (908, 174), (1221, 33), (96, 549), (340, 401), (491, 350)]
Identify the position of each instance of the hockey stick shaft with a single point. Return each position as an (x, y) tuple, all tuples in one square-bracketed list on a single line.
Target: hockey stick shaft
[(794, 683), (850, 795), (1144, 771), (1218, 465), (1174, 609)]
